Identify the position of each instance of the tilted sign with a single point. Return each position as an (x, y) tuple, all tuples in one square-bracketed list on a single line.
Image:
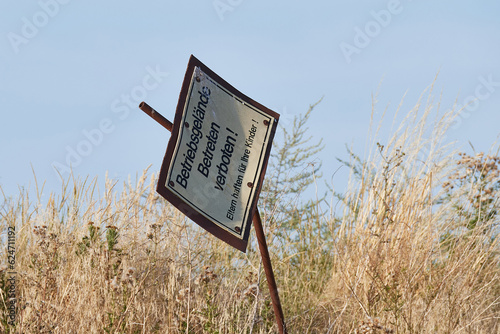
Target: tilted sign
[(217, 155)]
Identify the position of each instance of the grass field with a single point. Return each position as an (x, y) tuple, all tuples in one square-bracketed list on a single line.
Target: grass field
[(410, 247)]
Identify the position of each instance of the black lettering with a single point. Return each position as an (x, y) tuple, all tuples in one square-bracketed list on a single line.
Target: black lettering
[(203, 100), (223, 167), (198, 114), (203, 169), (182, 181), (205, 91)]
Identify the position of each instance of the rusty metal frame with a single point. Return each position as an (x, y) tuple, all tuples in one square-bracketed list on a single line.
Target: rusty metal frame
[(192, 213)]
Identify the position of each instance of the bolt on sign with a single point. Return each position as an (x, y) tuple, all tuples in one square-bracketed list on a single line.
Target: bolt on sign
[(217, 155)]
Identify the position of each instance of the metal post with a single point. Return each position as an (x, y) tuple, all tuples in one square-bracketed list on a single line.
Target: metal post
[(259, 231), (156, 116), (268, 268)]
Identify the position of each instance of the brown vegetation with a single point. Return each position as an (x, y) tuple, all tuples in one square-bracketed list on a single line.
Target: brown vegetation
[(414, 249)]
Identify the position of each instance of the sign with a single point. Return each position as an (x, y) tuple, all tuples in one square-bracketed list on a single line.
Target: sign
[(217, 155)]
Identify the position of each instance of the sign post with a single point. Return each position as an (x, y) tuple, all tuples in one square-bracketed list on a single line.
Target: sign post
[(216, 160)]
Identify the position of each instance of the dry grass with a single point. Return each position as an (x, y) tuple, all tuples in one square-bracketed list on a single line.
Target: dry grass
[(402, 257)]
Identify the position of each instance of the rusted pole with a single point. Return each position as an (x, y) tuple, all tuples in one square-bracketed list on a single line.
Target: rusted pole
[(268, 268), (259, 231), (156, 116)]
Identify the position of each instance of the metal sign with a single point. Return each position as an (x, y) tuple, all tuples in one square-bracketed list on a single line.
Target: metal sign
[(217, 155)]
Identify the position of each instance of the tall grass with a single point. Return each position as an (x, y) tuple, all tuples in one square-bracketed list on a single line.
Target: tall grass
[(400, 263), (404, 255)]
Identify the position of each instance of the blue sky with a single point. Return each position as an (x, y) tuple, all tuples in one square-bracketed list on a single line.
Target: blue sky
[(71, 73)]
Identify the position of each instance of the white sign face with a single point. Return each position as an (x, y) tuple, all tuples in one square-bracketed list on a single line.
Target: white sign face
[(217, 163)]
